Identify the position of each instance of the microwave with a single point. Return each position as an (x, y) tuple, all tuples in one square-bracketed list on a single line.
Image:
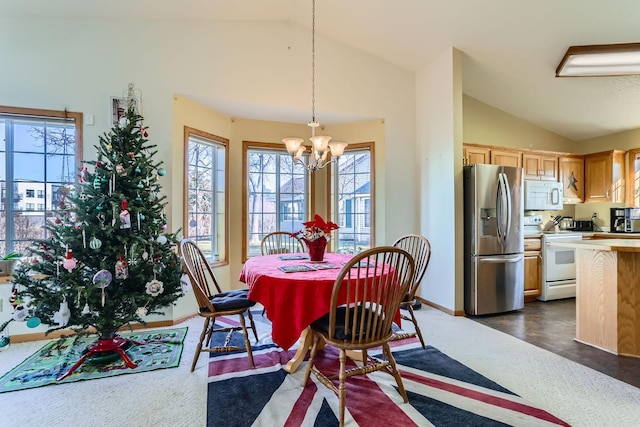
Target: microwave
[(542, 195)]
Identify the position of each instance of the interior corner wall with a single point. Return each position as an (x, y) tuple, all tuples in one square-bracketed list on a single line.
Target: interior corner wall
[(439, 157)]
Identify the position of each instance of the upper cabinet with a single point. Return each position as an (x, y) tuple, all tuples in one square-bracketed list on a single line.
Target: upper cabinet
[(540, 167), (506, 158), (605, 177), (633, 178), (572, 178), (476, 155)]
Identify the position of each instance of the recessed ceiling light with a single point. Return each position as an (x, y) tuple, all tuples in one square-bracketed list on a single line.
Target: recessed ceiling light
[(600, 60)]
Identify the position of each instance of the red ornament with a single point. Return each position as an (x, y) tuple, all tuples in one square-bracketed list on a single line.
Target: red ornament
[(98, 164), (143, 131)]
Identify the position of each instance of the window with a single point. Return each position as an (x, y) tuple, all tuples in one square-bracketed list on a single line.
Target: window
[(276, 194), (206, 166), (31, 193), (40, 194), (39, 151), (352, 193)]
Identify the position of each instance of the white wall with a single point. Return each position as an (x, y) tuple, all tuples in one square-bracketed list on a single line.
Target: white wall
[(439, 157)]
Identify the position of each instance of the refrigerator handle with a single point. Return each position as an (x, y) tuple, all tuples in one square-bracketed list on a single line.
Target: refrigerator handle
[(503, 207)]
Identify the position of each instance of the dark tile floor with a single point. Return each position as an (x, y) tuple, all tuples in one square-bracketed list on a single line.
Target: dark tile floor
[(551, 325)]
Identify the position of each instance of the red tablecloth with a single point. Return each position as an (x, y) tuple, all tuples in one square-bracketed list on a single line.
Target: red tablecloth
[(292, 300)]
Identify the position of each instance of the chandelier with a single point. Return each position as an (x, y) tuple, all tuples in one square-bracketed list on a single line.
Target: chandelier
[(320, 145)]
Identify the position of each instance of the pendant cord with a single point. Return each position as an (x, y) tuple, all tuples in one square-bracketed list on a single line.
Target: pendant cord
[(313, 62)]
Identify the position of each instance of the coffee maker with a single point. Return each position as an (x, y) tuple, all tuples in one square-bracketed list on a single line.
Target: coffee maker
[(617, 220)]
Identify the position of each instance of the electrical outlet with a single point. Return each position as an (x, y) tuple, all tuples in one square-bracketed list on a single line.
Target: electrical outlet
[(595, 215)]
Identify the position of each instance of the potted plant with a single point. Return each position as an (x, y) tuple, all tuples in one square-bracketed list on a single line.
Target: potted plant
[(7, 263)]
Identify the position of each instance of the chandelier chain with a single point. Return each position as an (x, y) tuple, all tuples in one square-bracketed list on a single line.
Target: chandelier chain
[(313, 62)]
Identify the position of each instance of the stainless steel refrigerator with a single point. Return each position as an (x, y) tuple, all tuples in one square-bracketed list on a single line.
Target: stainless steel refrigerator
[(493, 239)]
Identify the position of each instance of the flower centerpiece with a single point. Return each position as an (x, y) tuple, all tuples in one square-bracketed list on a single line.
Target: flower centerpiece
[(316, 234)]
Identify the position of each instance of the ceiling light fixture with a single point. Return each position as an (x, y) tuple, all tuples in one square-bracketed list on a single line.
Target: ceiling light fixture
[(600, 60), (320, 145)]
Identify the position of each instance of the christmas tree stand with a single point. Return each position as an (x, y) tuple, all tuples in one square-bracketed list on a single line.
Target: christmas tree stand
[(105, 345)]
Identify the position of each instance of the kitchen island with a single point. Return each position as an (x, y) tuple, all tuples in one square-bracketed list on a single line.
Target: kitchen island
[(608, 294)]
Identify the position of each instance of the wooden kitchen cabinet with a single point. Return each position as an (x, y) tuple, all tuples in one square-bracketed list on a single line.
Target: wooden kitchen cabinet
[(532, 268), (506, 158), (540, 167), (604, 174), (572, 178), (476, 155), (633, 178)]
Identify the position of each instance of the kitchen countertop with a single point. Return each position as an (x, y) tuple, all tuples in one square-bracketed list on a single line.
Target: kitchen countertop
[(619, 245)]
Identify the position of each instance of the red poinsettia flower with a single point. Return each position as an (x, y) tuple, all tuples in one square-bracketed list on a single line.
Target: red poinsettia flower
[(316, 228)]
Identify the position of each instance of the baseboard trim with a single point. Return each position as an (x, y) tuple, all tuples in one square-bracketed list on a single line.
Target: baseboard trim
[(15, 339), (441, 308)]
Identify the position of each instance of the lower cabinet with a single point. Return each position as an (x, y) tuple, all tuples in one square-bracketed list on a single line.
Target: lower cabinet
[(532, 268)]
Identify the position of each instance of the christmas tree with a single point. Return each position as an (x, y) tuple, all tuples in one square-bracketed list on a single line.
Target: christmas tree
[(107, 260)]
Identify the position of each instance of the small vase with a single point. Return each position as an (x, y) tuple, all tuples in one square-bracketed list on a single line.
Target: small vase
[(316, 248)]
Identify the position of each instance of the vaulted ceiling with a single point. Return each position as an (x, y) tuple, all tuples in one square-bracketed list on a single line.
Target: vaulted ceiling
[(511, 48)]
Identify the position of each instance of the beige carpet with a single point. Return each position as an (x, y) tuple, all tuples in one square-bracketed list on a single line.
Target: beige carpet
[(176, 397)]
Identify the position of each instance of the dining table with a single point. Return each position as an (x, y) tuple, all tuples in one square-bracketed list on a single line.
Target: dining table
[(294, 292)]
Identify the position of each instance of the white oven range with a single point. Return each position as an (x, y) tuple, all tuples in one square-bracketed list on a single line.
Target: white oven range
[(558, 267)]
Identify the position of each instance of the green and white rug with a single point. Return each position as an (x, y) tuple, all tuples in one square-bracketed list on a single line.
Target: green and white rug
[(160, 349)]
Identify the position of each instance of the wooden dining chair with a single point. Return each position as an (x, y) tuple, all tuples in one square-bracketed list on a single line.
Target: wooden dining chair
[(281, 242), (212, 304), (419, 248), (366, 296)]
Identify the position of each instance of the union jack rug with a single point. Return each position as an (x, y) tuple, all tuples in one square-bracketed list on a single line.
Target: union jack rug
[(441, 391)]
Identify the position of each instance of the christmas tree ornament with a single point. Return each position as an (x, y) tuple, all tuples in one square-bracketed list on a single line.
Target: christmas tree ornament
[(161, 239), (83, 174), (142, 311), (143, 131), (20, 313), (96, 182), (62, 316), (122, 270), (86, 309), (145, 255), (152, 196), (125, 217), (103, 179), (120, 170), (137, 169), (99, 208), (102, 219), (5, 341), (131, 155), (95, 243), (33, 322), (123, 122), (154, 287), (138, 198), (140, 186), (102, 279), (70, 262), (83, 197), (162, 171)]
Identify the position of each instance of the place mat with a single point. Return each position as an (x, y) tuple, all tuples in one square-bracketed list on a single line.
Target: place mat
[(160, 349)]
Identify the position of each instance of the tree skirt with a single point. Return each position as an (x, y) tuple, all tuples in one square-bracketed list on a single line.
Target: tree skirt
[(160, 349), (441, 391)]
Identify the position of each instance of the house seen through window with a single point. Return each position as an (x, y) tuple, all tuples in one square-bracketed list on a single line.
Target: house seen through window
[(39, 154), (206, 195)]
